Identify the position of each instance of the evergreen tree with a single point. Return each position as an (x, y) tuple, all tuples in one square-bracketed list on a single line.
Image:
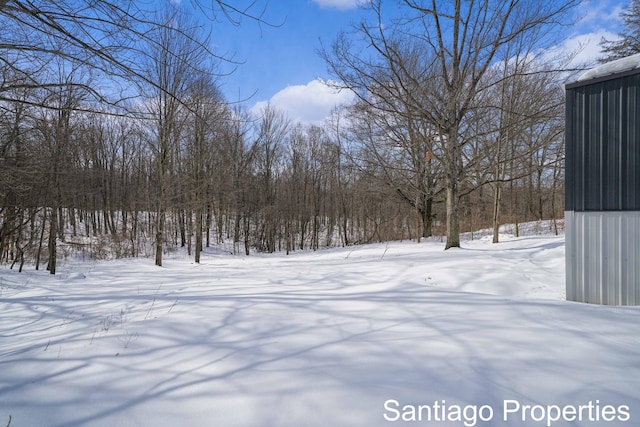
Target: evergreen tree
[(629, 41)]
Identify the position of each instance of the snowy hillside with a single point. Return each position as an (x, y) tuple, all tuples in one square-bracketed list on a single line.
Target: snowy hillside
[(360, 336)]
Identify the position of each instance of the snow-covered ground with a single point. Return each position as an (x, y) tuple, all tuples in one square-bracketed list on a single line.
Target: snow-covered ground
[(358, 336)]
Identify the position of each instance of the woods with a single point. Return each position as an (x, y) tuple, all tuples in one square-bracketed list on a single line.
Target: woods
[(434, 68), (116, 140)]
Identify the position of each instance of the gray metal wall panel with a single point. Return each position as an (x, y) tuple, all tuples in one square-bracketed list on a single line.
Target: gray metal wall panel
[(570, 138), (603, 145), (603, 257), (631, 156)]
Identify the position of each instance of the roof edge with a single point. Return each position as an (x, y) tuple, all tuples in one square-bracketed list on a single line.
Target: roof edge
[(618, 68)]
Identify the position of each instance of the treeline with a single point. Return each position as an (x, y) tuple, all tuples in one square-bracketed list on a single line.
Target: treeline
[(257, 182), (173, 164), (92, 182)]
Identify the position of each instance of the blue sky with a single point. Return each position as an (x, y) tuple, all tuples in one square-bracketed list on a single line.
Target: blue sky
[(283, 55), (281, 64)]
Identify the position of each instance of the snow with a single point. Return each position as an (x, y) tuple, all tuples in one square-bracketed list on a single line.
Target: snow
[(339, 337), (614, 67)]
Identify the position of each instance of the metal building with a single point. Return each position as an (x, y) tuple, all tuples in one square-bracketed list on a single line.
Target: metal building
[(602, 202)]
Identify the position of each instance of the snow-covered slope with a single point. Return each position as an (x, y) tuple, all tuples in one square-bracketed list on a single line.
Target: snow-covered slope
[(357, 336)]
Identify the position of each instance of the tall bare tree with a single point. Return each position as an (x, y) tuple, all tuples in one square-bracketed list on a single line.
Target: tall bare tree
[(56, 132), (272, 133), (175, 58), (460, 40), (208, 116)]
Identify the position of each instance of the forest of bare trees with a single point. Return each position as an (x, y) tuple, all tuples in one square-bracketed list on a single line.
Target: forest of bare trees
[(455, 128)]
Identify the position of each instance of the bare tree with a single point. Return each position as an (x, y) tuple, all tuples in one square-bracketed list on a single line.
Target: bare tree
[(174, 60), (108, 47), (460, 41), (404, 150), (56, 131), (109, 38), (207, 117), (272, 133)]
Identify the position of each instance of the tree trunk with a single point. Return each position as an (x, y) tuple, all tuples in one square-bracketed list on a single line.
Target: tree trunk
[(53, 221), (189, 230), (159, 236), (40, 241), (452, 168), (199, 230), (496, 212), (453, 219), (182, 219), (426, 214)]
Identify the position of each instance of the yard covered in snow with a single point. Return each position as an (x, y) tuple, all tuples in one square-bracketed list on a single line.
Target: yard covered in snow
[(357, 336)]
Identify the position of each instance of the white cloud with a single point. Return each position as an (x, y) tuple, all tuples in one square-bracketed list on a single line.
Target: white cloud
[(598, 12), (597, 19), (339, 4), (309, 103), (585, 47)]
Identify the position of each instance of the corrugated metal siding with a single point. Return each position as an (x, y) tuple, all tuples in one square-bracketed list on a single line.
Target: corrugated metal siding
[(603, 189), (603, 257), (603, 145)]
